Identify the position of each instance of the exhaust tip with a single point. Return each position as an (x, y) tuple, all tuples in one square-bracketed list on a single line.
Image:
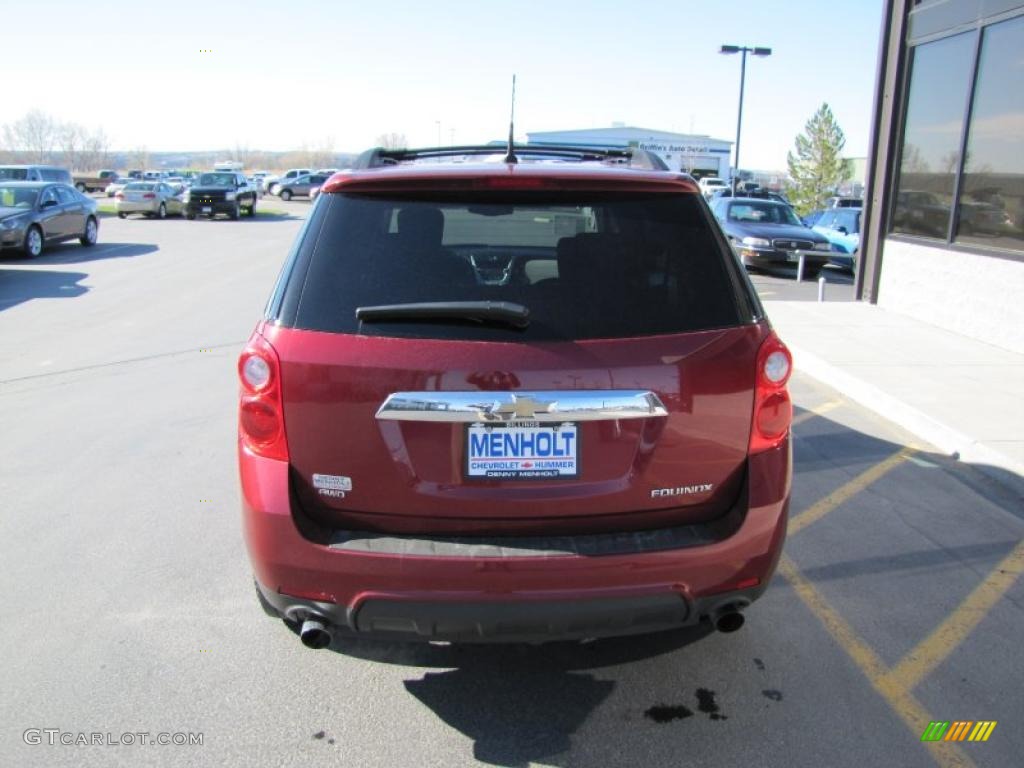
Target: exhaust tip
[(728, 619), (314, 633)]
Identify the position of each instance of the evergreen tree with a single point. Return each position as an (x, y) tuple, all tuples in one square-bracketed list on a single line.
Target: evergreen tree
[(816, 168)]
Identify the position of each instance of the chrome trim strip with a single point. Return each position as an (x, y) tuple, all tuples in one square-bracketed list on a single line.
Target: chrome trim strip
[(544, 406)]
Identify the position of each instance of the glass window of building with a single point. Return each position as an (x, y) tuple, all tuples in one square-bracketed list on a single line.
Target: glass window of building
[(940, 77), (991, 206)]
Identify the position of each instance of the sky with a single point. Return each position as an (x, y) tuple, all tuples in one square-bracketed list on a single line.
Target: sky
[(281, 75)]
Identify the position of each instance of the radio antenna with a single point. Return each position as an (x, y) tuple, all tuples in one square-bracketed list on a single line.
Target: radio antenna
[(510, 156)]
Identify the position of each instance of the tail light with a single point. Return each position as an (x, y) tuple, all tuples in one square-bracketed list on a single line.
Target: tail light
[(261, 406), (149, 196), (773, 410)]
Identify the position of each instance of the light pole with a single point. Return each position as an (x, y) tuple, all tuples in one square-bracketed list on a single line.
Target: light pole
[(741, 49)]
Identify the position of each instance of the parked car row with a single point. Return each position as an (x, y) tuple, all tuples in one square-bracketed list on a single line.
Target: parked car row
[(295, 182), (771, 234), (213, 193)]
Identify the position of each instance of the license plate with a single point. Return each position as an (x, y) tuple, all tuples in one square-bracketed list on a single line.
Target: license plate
[(793, 256), (207, 209), (522, 451)]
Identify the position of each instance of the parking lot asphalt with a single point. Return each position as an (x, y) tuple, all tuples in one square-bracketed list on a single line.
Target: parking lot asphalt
[(129, 605), (781, 285)]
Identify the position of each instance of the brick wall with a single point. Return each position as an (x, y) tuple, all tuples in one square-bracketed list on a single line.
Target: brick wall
[(977, 296)]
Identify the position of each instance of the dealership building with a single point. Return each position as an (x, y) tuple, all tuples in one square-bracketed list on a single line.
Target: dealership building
[(943, 232), (697, 155)]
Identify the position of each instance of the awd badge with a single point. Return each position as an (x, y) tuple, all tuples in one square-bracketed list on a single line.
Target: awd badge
[(334, 486)]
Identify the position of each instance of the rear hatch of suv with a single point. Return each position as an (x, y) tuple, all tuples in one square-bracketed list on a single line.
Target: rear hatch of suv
[(515, 353)]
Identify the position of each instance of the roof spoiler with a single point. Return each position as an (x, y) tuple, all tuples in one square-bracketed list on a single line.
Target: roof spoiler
[(632, 157)]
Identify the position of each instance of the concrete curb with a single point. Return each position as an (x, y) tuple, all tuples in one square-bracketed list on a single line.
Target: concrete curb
[(948, 440)]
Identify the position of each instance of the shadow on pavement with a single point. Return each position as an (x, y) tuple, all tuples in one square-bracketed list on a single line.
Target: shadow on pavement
[(518, 703), (73, 253), (261, 217), (271, 216), (822, 443), (832, 275), (21, 285)]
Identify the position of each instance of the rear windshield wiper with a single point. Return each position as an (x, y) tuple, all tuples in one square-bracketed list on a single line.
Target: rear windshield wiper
[(489, 312)]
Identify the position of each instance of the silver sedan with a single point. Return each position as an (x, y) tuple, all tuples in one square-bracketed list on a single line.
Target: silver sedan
[(150, 198)]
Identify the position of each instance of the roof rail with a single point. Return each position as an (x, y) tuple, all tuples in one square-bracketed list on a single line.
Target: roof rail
[(632, 157)]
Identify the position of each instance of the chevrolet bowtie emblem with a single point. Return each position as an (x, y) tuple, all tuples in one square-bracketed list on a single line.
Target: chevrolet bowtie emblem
[(522, 407)]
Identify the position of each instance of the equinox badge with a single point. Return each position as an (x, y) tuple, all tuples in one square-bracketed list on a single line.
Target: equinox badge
[(682, 490)]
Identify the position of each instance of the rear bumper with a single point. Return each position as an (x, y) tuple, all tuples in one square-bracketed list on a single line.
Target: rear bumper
[(476, 591), (124, 206)]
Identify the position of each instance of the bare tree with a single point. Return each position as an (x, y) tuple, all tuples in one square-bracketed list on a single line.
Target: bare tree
[(300, 158), (241, 154), (913, 161), (70, 139), (323, 156), (392, 141), (139, 158), (34, 135), (950, 161), (95, 150)]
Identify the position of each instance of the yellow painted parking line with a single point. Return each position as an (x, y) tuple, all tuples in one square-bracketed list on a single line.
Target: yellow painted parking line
[(847, 491), (820, 410), (898, 697), (935, 648)]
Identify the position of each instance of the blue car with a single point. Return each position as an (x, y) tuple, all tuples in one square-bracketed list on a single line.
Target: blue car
[(842, 228)]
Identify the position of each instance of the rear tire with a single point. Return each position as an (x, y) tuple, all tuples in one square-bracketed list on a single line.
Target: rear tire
[(286, 195), (91, 233), (190, 216), (33, 245), (161, 212), (251, 210), (122, 215), (81, 187)]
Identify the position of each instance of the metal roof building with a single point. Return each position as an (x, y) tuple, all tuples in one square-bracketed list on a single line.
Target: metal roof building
[(697, 155)]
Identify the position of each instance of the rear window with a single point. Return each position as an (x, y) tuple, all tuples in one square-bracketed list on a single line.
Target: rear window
[(603, 267), (14, 174)]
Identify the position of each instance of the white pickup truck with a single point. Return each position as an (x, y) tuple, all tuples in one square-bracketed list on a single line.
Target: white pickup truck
[(709, 184)]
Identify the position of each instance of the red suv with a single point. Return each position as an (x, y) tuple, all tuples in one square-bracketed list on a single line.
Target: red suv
[(526, 399)]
